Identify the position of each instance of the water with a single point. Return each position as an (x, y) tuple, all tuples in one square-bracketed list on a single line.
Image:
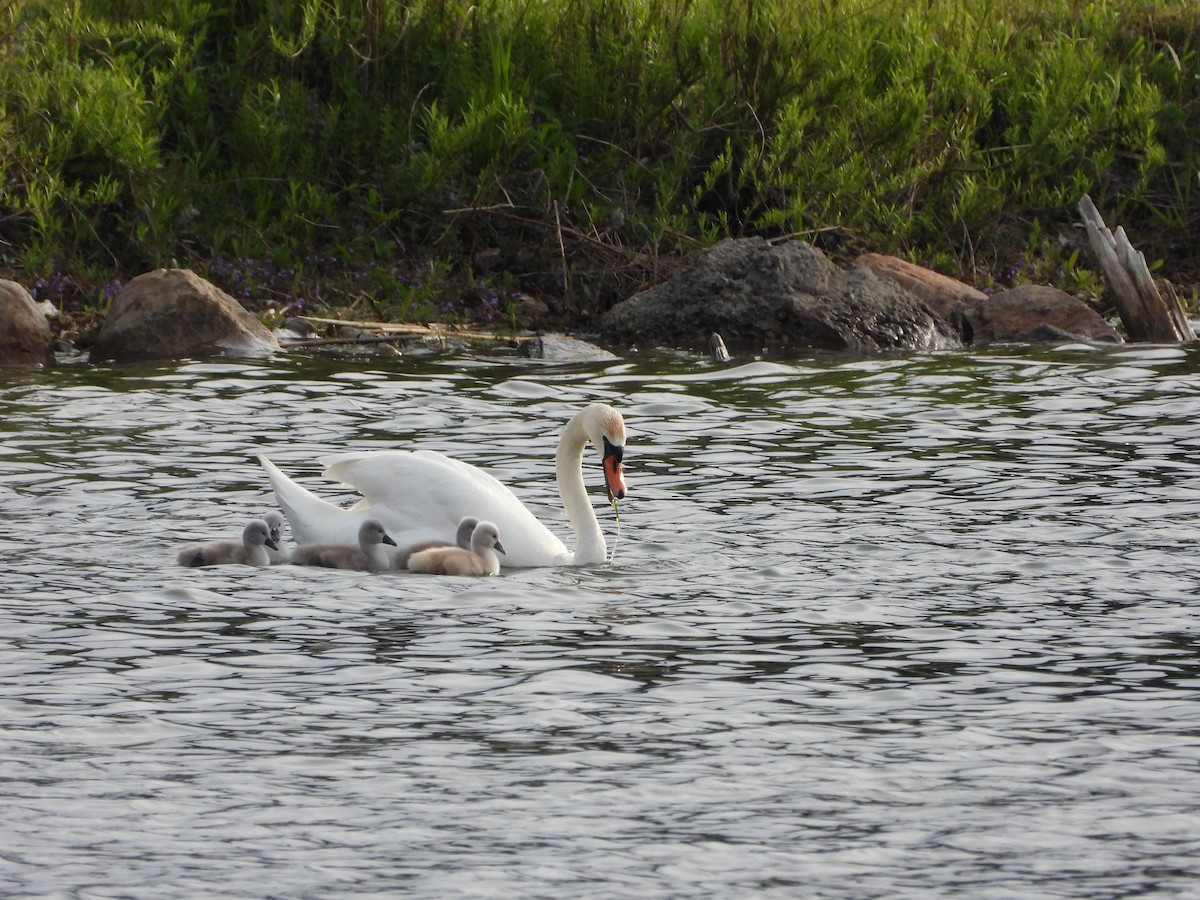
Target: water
[(920, 626)]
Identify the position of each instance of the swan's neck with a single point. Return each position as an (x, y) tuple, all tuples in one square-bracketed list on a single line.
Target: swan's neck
[(568, 471)]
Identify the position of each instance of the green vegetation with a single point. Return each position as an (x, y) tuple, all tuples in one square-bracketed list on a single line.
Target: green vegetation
[(435, 158)]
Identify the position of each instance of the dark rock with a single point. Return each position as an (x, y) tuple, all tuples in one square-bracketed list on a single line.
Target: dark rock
[(24, 332), (355, 332), (561, 348), (529, 311), (1030, 314), (488, 260), (174, 313), (299, 326), (1037, 314), (946, 296), (762, 296)]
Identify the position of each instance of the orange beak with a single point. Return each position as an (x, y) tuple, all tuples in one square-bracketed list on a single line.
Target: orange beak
[(614, 478)]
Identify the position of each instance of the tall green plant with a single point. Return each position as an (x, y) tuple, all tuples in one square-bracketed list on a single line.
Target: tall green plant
[(134, 131)]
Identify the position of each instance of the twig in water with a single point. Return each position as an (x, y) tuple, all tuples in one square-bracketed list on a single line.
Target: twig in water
[(616, 540)]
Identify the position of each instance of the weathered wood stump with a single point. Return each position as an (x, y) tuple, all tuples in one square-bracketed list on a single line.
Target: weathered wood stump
[(1147, 315)]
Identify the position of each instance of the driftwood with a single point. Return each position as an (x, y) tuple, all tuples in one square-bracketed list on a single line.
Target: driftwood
[(556, 347), (717, 349), (390, 332), (1147, 315), (346, 341)]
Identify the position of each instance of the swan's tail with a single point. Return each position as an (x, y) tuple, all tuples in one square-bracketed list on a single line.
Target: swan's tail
[(309, 516)]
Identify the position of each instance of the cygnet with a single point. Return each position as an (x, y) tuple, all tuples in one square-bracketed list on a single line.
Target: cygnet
[(481, 559), (368, 556), (251, 550), (462, 538), (280, 554)]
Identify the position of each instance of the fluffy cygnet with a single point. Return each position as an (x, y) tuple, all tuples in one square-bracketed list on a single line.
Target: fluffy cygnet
[(251, 550), (280, 554), (462, 538), (481, 559), (368, 556)]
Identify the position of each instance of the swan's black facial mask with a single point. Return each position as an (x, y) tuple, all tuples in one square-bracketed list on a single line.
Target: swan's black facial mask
[(614, 478)]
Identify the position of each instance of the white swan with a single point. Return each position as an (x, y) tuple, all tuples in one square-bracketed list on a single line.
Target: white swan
[(481, 559), (421, 496), (366, 555), (251, 550), (462, 538)]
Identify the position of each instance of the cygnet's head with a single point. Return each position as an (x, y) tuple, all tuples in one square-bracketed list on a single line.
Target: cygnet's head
[(372, 533), (274, 520), (486, 536), (466, 527), (257, 534)]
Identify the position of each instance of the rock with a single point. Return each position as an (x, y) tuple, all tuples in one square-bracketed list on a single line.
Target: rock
[(488, 260), (529, 311), (1036, 314), (24, 332), (174, 313), (946, 296), (299, 326), (758, 295), (1029, 314), (561, 348)]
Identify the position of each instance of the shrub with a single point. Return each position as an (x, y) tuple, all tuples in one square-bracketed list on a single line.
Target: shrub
[(577, 134)]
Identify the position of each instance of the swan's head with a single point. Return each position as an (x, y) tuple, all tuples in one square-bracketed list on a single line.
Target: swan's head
[(372, 532), (258, 534), (606, 430)]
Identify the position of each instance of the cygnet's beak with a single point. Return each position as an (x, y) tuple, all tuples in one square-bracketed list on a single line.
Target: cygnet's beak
[(387, 539), (499, 547), (270, 542)]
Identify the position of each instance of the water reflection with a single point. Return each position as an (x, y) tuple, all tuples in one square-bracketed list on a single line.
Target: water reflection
[(918, 626)]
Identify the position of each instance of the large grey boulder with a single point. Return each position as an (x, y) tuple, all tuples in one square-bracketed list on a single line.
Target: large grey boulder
[(758, 295), (561, 348), (25, 336), (173, 314)]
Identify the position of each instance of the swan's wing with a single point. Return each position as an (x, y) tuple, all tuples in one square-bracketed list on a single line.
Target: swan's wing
[(424, 494), (313, 520), (429, 484)]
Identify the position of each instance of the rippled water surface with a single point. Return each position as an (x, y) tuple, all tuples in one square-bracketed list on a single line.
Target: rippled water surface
[(915, 626)]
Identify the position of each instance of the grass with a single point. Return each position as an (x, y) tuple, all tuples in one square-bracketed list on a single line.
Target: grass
[(366, 156)]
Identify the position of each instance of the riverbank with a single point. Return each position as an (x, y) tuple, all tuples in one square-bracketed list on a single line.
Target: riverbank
[(356, 161)]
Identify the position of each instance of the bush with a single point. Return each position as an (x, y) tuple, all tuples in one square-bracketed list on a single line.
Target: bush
[(585, 139)]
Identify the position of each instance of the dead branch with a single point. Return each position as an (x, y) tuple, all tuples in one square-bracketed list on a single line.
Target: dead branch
[(393, 331), (1146, 314)]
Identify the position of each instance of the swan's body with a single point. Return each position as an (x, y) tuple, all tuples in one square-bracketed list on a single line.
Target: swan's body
[(251, 550), (280, 553), (422, 495), (368, 556), (481, 559), (462, 538)]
